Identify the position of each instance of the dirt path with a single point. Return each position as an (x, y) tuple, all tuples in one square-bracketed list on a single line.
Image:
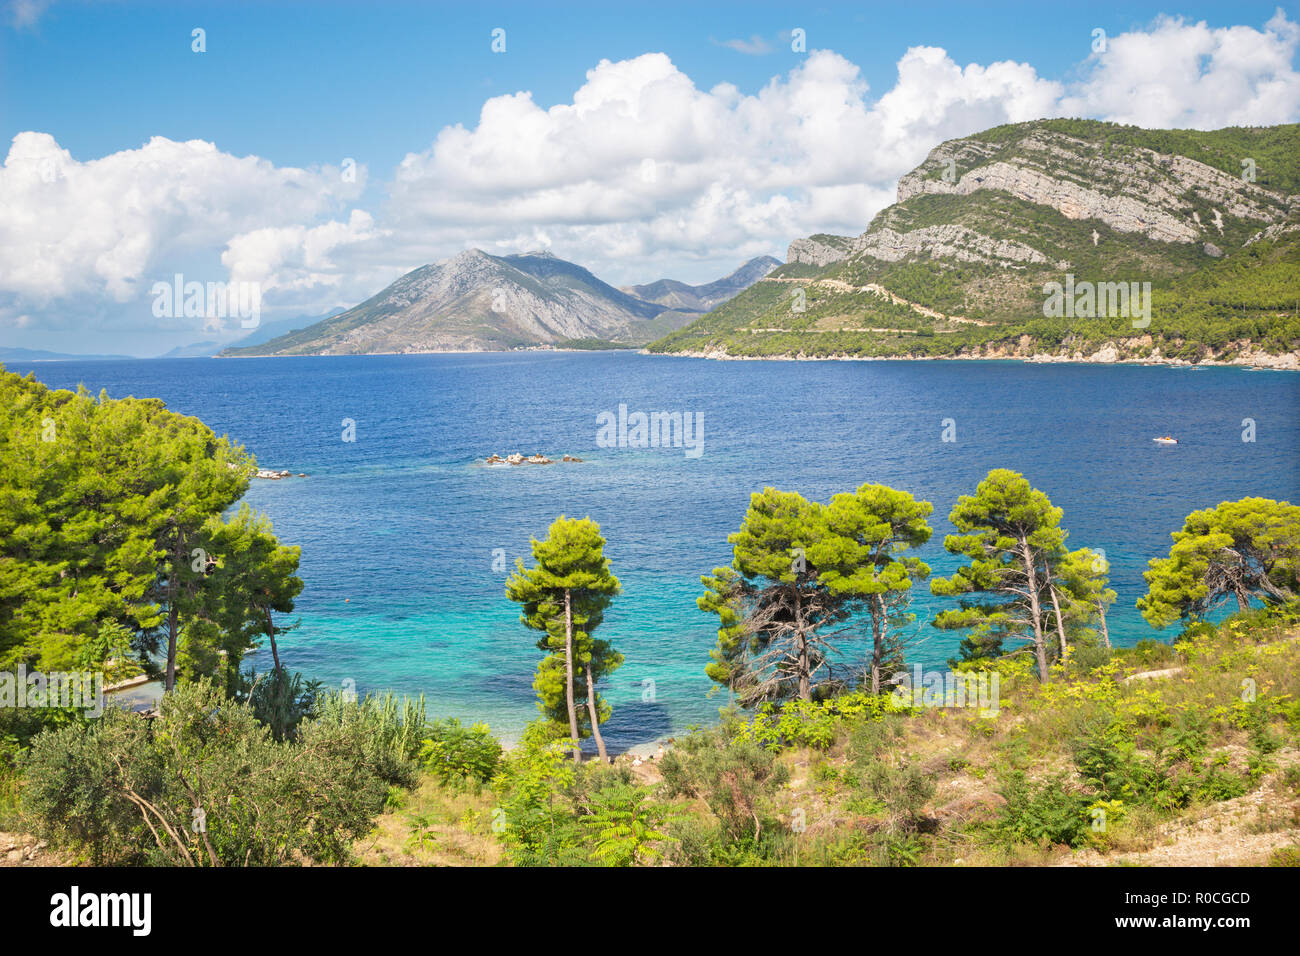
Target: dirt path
[(1240, 832), (841, 286)]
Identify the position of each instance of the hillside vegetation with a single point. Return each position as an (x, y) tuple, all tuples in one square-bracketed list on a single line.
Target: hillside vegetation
[(1187, 754)]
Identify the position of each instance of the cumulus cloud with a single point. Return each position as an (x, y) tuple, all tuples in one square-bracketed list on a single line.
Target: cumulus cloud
[(645, 162), (640, 174), (109, 227), (1188, 75), (296, 257)]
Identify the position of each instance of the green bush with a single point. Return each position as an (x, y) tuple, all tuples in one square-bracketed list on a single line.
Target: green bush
[(389, 731), (1047, 813), (203, 784), (1285, 856), (457, 755), (535, 819), (279, 699), (737, 778)]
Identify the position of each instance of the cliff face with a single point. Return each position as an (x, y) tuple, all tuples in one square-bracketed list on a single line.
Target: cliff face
[(1137, 190), (985, 222)]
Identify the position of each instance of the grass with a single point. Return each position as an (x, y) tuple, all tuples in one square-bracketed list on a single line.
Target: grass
[(433, 825)]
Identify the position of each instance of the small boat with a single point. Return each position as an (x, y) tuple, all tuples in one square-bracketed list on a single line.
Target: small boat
[(1165, 440)]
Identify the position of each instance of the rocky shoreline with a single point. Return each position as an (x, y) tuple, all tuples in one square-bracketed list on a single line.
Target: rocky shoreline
[(1107, 355)]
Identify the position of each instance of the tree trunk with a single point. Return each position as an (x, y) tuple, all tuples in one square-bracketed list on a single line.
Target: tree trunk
[(173, 614), (270, 632), (805, 679), (1056, 605), (1035, 610), (568, 675), (1105, 631), (594, 715), (879, 626)]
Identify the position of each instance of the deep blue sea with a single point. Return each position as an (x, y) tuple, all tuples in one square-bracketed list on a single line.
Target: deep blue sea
[(400, 529)]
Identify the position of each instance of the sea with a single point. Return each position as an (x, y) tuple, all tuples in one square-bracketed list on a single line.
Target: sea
[(408, 537)]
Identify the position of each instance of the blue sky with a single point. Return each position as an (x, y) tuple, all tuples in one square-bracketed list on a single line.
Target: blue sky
[(302, 83), (303, 86)]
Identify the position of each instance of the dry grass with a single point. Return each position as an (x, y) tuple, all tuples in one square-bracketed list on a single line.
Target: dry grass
[(434, 827)]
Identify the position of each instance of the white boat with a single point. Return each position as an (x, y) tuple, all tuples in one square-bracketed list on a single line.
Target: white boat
[(1165, 440)]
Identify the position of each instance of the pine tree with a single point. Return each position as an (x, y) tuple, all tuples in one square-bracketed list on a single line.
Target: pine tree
[(1238, 551), (1012, 535), (564, 595), (860, 556), (774, 611)]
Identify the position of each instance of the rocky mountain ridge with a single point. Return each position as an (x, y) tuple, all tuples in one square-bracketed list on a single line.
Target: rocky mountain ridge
[(479, 302)]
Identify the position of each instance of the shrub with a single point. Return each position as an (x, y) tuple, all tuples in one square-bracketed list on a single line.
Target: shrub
[(736, 778), (279, 699), (1285, 856), (456, 754), (535, 820), (389, 731), (203, 784), (627, 826), (1050, 812), (815, 724)]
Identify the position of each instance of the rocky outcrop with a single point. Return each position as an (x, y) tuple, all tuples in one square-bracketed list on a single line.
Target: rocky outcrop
[(821, 250), (1275, 231), (1146, 192), (518, 459), (948, 242)]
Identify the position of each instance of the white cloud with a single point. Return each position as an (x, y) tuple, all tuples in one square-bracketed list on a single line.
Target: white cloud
[(1187, 75), (25, 13), (644, 162), (109, 226), (296, 257), (754, 46)]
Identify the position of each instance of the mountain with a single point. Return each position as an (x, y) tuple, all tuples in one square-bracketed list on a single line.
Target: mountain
[(273, 330), (41, 355), (961, 264), (701, 298), (479, 302), (194, 350)]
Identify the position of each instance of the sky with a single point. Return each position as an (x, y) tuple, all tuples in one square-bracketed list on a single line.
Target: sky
[(314, 152)]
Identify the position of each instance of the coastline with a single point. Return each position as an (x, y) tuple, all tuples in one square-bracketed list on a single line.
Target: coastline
[(1286, 362), (1108, 354)]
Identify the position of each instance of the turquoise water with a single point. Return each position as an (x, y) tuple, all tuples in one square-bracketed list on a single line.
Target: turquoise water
[(401, 528)]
